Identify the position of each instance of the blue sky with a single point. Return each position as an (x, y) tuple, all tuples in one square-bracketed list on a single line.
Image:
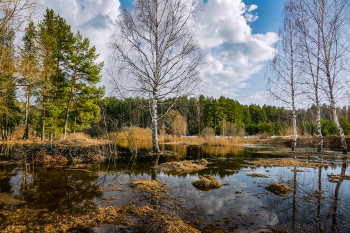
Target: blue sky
[(238, 37)]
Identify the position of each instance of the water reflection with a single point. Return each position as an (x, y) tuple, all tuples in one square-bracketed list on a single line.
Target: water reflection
[(315, 204)]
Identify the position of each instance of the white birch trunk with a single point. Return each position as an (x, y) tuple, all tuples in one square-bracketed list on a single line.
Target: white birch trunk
[(295, 134), (340, 129), (155, 146), (319, 131)]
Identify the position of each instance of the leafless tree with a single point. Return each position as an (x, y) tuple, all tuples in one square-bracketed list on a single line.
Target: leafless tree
[(155, 52), (330, 17), (15, 12), (310, 38), (284, 75)]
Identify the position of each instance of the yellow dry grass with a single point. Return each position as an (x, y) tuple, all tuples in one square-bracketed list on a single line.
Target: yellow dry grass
[(279, 189), (27, 220), (221, 141), (168, 224), (132, 134), (7, 198), (183, 166), (287, 162), (207, 182), (257, 175), (148, 186), (339, 177)]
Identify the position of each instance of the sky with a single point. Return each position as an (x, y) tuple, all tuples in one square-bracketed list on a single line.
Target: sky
[(237, 35)]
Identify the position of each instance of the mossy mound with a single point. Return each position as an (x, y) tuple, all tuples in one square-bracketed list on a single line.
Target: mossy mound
[(207, 182), (167, 224), (183, 166), (279, 189)]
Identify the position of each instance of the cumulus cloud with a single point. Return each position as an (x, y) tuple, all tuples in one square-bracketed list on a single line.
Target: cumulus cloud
[(93, 18), (234, 52)]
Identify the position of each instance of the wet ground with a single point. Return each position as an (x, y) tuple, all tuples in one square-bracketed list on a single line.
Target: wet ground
[(242, 204)]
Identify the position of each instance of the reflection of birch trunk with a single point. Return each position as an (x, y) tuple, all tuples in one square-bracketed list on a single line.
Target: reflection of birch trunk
[(336, 194), (294, 196), (320, 194)]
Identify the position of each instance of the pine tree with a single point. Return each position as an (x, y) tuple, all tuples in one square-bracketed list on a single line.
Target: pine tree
[(85, 74), (29, 68), (48, 46)]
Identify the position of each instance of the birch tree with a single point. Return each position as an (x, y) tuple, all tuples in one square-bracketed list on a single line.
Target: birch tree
[(155, 52), (310, 38), (332, 22), (283, 80), (325, 25)]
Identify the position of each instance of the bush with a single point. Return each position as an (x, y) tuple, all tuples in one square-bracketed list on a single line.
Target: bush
[(208, 132)]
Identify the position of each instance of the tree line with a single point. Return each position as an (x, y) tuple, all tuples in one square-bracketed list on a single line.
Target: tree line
[(58, 72), (226, 116)]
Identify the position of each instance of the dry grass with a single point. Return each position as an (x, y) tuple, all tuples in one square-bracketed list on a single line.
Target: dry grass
[(286, 162), (183, 166), (279, 189), (8, 199), (257, 175), (220, 141), (44, 159), (207, 182), (27, 220), (132, 134), (169, 139), (168, 224), (148, 186), (339, 177)]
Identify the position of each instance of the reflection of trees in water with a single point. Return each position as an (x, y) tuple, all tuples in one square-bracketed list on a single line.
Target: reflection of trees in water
[(6, 173), (300, 209), (341, 210), (60, 190)]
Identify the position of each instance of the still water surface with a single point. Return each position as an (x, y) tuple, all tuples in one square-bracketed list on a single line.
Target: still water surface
[(241, 205)]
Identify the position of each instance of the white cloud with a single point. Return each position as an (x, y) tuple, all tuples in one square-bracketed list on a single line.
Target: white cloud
[(234, 53), (93, 18)]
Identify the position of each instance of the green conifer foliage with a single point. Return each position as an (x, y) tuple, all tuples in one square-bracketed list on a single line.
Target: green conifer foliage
[(84, 75)]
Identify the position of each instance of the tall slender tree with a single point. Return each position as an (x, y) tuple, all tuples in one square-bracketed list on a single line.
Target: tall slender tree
[(85, 73), (284, 80), (30, 68), (156, 53)]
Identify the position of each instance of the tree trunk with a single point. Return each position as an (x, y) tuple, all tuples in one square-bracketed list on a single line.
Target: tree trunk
[(155, 146), (295, 133), (44, 111), (69, 101), (340, 129), (319, 131), (26, 129)]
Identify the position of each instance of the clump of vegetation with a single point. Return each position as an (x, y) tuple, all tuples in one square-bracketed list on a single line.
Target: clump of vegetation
[(183, 166), (279, 189), (257, 175), (287, 162), (148, 186), (207, 182), (43, 158), (339, 177), (168, 224)]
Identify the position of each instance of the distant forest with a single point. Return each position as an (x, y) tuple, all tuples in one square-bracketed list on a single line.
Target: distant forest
[(226, 116)]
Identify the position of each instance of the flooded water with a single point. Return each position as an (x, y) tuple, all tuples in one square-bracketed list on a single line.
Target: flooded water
[(242, 204)]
